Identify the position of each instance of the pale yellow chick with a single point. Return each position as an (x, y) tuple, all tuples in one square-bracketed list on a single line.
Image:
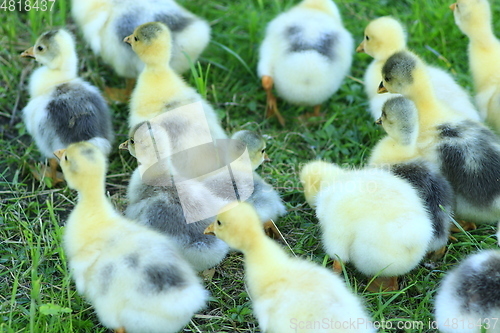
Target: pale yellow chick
[(466, 151), (134, 277), (306, 54), (159, 88), (288, 294), (255, 143), (398, 152), (385, 36), (104, 24), (473, 17), (368, 217)]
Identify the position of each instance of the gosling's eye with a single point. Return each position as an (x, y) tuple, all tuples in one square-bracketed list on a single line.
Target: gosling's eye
[(132, 141), (367, 38), (65, 157), (135, 38), (387, 79), (218, 222), (263, 151), (40, 48)]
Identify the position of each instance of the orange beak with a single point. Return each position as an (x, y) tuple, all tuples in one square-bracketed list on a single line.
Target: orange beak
[(361, 47), (59, 153), (453, 6), (266, 158), (381, 89), (28, 53), (128, 39), (379, 121), (210, 230)]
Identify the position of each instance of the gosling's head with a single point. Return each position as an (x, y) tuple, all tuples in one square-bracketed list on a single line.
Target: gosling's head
[(149, 143), (255, 143), (383, 37), (400, 119), (238, 225), (471, 15), (54, 49), (317, 175), (400, 73), (83, 164), (152, 42)]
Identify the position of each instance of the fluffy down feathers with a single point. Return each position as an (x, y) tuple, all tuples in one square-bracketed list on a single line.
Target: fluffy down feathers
[(133, 276), (469, 295), (159, 89), (288, 294), (384, 37), (467, 152), (368, 217), (307, 52), (63, 108), (398, 152), (474, 19), (174, 210), (104, 24)]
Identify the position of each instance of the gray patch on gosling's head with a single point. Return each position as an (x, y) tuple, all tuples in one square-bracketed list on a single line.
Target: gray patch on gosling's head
[(403, 113), (401, 109), (149, 31), (399, 67), (48, 41), (89, 153), (49, 35), (134, 129), (251, 140)]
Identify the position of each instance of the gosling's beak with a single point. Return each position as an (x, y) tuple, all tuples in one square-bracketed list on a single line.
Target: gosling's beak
[(59, 153), (123, 145), (266, 158), (128, 39), (210, 230), (28, 53), (381, 88), (361, 47), (378, 121), (453, 6)]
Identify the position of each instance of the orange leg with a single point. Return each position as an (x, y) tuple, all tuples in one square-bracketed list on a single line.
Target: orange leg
[(208, 274), (337, 267), (317, 109), (271, 105), (316, 113), (53, 163), (272, 231), (465, 225), (49, 172), (436, 255), (384, 284), (120, 330), (118, 94)]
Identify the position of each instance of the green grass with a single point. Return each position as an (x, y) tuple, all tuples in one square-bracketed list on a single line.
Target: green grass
[(36, 293)]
